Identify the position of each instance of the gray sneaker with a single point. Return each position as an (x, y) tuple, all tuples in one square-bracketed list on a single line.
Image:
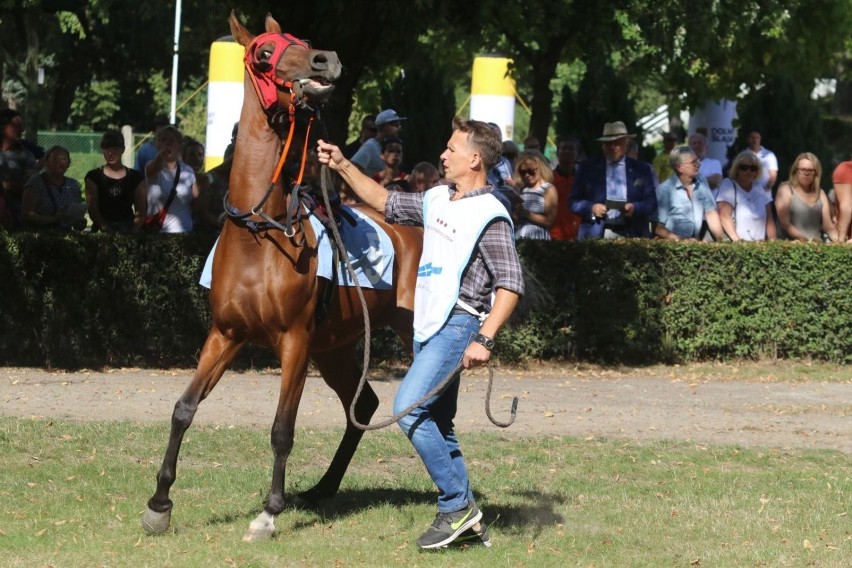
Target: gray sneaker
[(478, 533), (448, 526)]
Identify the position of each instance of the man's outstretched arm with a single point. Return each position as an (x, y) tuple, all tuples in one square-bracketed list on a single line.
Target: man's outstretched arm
[(367, 189)]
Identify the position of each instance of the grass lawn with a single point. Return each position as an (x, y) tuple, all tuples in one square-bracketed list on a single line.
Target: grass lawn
[(72, 496)]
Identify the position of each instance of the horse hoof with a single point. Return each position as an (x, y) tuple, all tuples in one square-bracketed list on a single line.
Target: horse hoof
[(154, 522), (262, 528)]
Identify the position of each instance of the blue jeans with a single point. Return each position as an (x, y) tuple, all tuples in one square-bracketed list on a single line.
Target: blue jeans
[(430, 425)]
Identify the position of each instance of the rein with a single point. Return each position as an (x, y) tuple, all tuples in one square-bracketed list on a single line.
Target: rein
[(267, 85), (325, 184)]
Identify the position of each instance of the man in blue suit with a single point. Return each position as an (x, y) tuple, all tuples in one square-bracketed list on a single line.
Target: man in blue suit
[(613, 194)]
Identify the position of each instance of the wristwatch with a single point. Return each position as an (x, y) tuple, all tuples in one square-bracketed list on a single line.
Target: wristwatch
[(485, 341)]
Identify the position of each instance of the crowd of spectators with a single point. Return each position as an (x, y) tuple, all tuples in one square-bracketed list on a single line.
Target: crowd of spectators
[(169, 192), (682, 195)]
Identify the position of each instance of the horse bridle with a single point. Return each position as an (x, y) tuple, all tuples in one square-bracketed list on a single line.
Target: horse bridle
[(261, 67)]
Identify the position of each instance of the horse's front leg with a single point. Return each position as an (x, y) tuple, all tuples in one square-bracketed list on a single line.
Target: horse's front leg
[(217, 354), (294, 366)]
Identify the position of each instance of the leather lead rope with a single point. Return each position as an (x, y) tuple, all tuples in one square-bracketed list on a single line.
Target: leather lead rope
[(325, 185)]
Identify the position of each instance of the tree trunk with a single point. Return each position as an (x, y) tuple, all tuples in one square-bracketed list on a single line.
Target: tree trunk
[(544, 69), (32, 104)]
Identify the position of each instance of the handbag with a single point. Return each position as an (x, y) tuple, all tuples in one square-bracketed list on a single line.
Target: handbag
[(153, 223)]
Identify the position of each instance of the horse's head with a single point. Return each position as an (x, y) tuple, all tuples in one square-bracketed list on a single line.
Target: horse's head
[(284, 69)]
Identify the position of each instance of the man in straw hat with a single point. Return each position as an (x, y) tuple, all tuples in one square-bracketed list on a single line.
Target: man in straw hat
[(613, 194)]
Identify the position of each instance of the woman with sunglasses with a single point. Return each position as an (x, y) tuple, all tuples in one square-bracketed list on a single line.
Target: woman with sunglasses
[(803, 209), (537, 210), (744, 208)]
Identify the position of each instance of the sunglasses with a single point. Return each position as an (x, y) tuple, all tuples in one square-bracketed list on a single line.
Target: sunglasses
[(747, 168), (806, 170), (525, 172)]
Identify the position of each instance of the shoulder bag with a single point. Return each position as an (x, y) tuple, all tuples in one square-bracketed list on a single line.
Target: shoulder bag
[(153, 223)]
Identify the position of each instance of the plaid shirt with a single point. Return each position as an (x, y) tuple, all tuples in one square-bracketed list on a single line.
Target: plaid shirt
[(495, 261)]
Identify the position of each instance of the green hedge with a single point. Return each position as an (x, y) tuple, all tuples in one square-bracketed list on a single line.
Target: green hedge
[(646, 301), (72, 301), (92, 300)]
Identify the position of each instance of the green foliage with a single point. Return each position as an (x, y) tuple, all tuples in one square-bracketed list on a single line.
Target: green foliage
[(92, 300), (803, 132), (647, 301), (158, 86), (96, 105), (838, 131), (425, 98), (192, 112), (603, 96)]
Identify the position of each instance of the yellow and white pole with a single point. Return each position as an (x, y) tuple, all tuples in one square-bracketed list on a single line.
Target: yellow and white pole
[(492, 93), (224, 97)]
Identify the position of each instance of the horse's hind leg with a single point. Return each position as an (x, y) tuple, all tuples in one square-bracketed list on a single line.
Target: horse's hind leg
[(217, 354), (340, 369)]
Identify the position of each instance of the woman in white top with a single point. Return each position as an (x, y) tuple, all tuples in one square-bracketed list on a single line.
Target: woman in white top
[(160, 176), (538, 198), (745, 210)]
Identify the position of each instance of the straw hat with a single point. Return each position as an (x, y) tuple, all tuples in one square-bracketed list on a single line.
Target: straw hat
[(615, 131)]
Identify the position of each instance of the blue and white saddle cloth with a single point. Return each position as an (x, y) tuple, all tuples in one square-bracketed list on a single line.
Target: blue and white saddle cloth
[(369, 248)]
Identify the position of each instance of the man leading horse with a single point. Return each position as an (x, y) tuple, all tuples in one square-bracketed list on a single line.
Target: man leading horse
[(468, 252)]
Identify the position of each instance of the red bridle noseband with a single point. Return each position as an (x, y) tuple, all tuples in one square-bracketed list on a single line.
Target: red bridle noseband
[(262, 72)]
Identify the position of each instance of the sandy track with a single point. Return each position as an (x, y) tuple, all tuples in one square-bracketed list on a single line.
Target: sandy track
[(553, 402)]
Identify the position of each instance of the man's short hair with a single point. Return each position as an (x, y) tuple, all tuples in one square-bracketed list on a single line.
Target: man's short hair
[(677, 154), (483, 138)]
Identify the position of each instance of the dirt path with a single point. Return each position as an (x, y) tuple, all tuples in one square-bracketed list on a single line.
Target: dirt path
[(634, 405)]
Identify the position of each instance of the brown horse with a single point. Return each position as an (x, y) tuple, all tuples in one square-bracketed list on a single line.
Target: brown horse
[(265, 290)]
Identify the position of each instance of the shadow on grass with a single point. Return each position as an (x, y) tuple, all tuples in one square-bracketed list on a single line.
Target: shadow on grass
[(538, 511)]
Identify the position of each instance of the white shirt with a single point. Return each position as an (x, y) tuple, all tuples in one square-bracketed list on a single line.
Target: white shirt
[(179, 216), (769, 162), (616, 187), (749, 208), (710, 166)]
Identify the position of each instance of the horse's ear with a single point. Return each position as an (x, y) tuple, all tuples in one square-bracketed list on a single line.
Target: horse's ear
[(240, 34), (271, 25)]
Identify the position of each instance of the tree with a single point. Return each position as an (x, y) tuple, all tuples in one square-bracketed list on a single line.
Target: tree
[(710, 50), (800, 131), (704, 51), (602, 97), (537, 35), (424, 96)]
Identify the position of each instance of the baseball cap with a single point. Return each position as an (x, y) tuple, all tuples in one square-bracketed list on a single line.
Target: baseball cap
[(388, 115)]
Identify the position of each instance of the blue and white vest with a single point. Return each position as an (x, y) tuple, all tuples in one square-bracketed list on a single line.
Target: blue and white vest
[(451, 232)]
